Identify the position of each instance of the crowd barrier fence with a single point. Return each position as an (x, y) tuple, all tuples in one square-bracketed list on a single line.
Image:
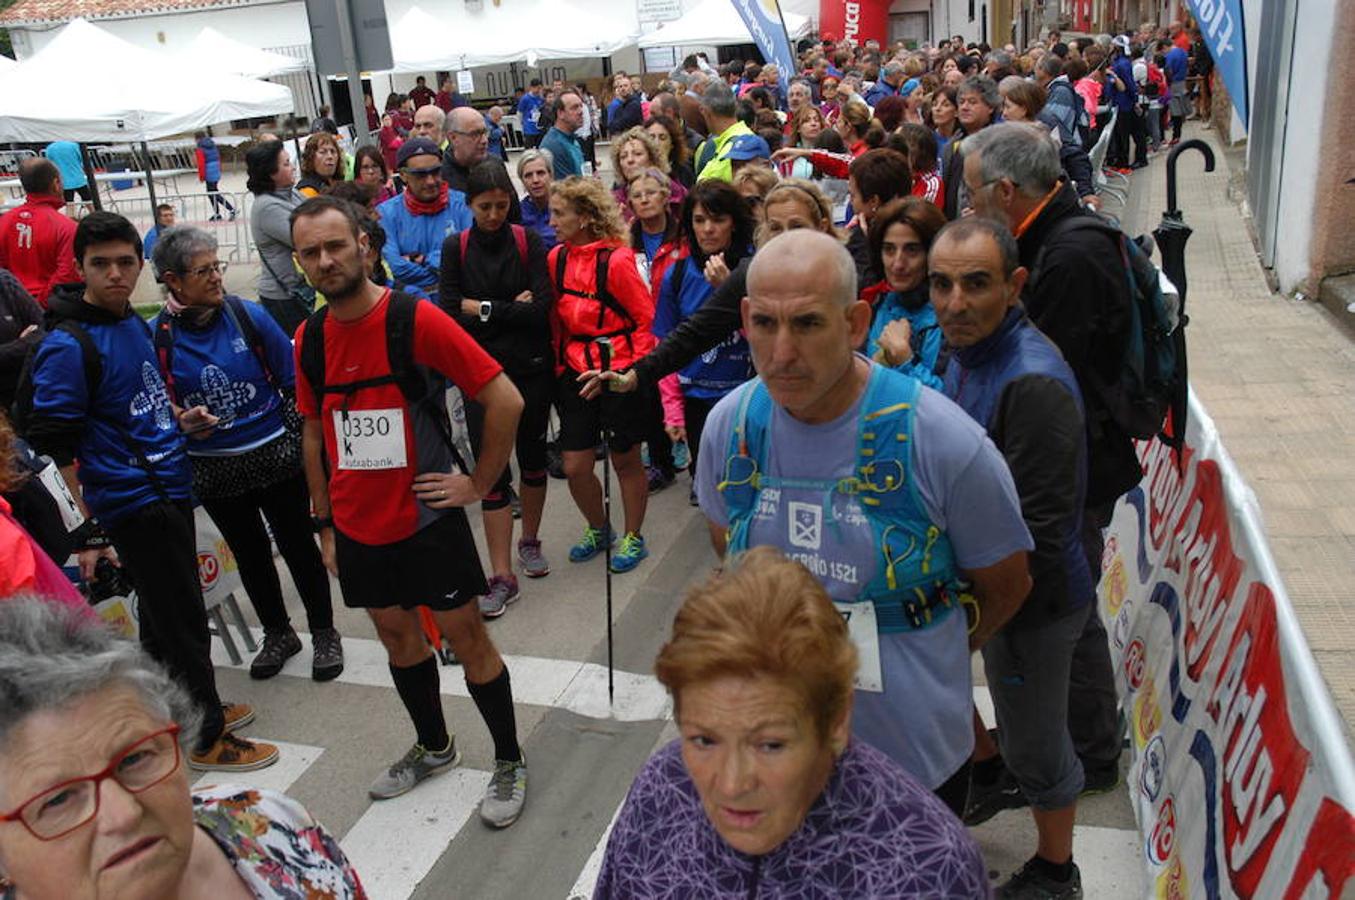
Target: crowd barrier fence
[(1241, 778)]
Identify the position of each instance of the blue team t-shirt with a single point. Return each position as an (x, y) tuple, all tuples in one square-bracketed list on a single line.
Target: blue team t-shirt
[(723, 367), (216, 367), (923, 717), (529, 108)]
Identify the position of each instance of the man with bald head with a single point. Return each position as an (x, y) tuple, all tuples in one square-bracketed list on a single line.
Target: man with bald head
[(880, 486), (467, 144)]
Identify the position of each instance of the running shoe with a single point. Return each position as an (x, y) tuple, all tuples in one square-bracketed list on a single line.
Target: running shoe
[(506, 794), (503, 590), (682, 456), (416, 765), (658, 478), (987, 800), (278, 647), (327, 659), (533, 561), (236, 715), (234, 754), (591, 545), (1033, 883), (629, 554)]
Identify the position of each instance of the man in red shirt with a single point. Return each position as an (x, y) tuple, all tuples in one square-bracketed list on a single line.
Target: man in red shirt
[(420, 93), (389, 510), (37, 239)]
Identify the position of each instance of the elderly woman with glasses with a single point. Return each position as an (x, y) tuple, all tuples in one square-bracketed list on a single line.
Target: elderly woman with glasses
[(765, 793), (94, 794), (221, 352)]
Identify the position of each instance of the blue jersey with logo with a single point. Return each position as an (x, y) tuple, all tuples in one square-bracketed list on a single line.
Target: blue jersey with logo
[(216, 367), (128, 415), (722, 368), (529, 109)]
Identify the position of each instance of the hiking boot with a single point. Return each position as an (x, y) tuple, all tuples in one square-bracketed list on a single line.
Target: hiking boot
[(416, 765), (658, 478), (278, 647), (629, 554), (236, 715), (327, 662), (1033, 883), (591, 545), (503, 590), (987, 800), (532, 560), (506, 794), (234, 754)]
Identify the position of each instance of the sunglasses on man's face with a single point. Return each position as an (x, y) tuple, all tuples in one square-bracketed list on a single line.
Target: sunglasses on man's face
[(422, 173)]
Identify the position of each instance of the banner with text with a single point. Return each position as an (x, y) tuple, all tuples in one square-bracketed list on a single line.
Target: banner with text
[(855, 20), (1240, 779), (762, 18), (1222, 25)]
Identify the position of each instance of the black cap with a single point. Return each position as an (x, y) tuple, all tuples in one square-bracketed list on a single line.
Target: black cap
[(418, 146)]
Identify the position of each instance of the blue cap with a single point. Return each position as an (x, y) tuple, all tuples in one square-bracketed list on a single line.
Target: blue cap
[(908, 87), (748, 146), (418, 146)]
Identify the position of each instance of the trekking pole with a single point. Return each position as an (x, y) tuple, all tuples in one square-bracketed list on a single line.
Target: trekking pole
[(605, 351)]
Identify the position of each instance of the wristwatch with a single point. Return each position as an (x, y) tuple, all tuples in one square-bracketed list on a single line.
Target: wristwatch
[(485, 307), (320, 523)]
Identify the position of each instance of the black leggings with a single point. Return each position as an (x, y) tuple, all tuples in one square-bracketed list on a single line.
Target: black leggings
[(218, 199), (695, 410), (537, 391), (286, 506), (954, 791)]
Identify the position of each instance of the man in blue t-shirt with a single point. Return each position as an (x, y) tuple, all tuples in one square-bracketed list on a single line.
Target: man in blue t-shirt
[(529, 112), (803, 319), (98, 398), (164, 220), (65, 155)]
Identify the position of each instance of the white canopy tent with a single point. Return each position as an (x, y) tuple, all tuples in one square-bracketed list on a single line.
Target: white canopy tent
[(716, 23), (6, 63), (212, 49), (110, 89), (453, 37)]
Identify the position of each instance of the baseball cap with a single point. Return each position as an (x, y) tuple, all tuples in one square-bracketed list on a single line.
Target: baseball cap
[(1122, 42), (748, 146), (418, 146)]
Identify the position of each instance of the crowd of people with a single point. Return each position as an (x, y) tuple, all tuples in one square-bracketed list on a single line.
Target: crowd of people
[(872, 309)]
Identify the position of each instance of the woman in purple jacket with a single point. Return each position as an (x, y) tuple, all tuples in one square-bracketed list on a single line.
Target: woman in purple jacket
[(765, 795)]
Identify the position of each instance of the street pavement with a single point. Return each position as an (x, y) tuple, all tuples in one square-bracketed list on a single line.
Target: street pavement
[(1275, 374)]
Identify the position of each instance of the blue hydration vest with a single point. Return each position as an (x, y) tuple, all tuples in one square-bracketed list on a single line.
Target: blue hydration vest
[(916, 584)]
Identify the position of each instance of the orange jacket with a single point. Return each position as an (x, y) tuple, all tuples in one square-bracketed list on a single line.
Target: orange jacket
[(580, 316)]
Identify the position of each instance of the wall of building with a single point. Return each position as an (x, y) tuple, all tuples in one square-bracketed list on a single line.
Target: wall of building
[(1333, 245)]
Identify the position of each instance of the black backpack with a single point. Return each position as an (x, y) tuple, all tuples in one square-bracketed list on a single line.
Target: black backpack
[(422, 387), (233, 309), (1151, 379)]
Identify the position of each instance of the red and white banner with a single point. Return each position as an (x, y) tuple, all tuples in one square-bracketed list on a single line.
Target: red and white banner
[(855, 20), (1241, 779)]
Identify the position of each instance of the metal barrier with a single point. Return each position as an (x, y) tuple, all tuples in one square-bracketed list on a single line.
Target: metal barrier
[(234, 240)]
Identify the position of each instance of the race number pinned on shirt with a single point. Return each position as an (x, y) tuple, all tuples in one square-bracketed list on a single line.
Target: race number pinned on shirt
[(860, 619), (370, 439), (50, 478)]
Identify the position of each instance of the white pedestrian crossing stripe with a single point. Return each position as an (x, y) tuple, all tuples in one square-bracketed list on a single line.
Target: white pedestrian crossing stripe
[(293, 760)]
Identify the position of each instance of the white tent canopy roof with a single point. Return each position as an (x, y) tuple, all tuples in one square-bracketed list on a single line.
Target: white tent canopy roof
[(452, 37), (715, 23), (110, 89), (212, 49)]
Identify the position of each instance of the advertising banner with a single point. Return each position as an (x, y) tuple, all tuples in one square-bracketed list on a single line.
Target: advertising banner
[(218, 573), (1241, 780), (1221, 24), (855, 20), (762, 18)]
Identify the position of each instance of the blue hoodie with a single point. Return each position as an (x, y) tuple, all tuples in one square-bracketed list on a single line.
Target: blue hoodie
[(722, 368), (408, 233), (916, 308), (127, 414), (214, 366)]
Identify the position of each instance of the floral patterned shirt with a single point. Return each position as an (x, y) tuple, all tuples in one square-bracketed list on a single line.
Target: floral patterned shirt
[(277, 849)]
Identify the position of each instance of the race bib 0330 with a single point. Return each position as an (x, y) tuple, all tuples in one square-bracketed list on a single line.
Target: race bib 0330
[(370, 439)]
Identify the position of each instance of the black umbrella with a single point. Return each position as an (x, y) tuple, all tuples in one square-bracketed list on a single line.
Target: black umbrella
[(1171, 235)]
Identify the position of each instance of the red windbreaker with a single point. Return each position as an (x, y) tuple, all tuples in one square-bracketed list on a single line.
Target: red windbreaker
[(37, 244), (580, 315)]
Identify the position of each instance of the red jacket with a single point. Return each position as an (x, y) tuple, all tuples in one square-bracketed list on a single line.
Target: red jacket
[(37, 244), (579, 315)]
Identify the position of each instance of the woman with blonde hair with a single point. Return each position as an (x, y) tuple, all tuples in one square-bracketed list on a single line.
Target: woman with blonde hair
[(600, 294), (753, 183), (860, 130), (765, 792), (632, 153)]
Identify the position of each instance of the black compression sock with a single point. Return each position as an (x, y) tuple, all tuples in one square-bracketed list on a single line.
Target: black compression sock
[(1053, 871), (418, 689), (494, 699), (987, 771)]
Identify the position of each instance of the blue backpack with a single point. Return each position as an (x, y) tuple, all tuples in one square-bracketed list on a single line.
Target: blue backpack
[(916, 584)]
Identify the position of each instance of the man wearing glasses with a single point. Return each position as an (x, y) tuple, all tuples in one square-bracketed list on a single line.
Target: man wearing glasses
[(418, 220), (468, 144)]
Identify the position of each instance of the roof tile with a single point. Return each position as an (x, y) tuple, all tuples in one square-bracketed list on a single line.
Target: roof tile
[(48, 11)]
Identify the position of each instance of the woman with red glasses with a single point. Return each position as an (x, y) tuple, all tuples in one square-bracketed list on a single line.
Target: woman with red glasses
[(94, 795)]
